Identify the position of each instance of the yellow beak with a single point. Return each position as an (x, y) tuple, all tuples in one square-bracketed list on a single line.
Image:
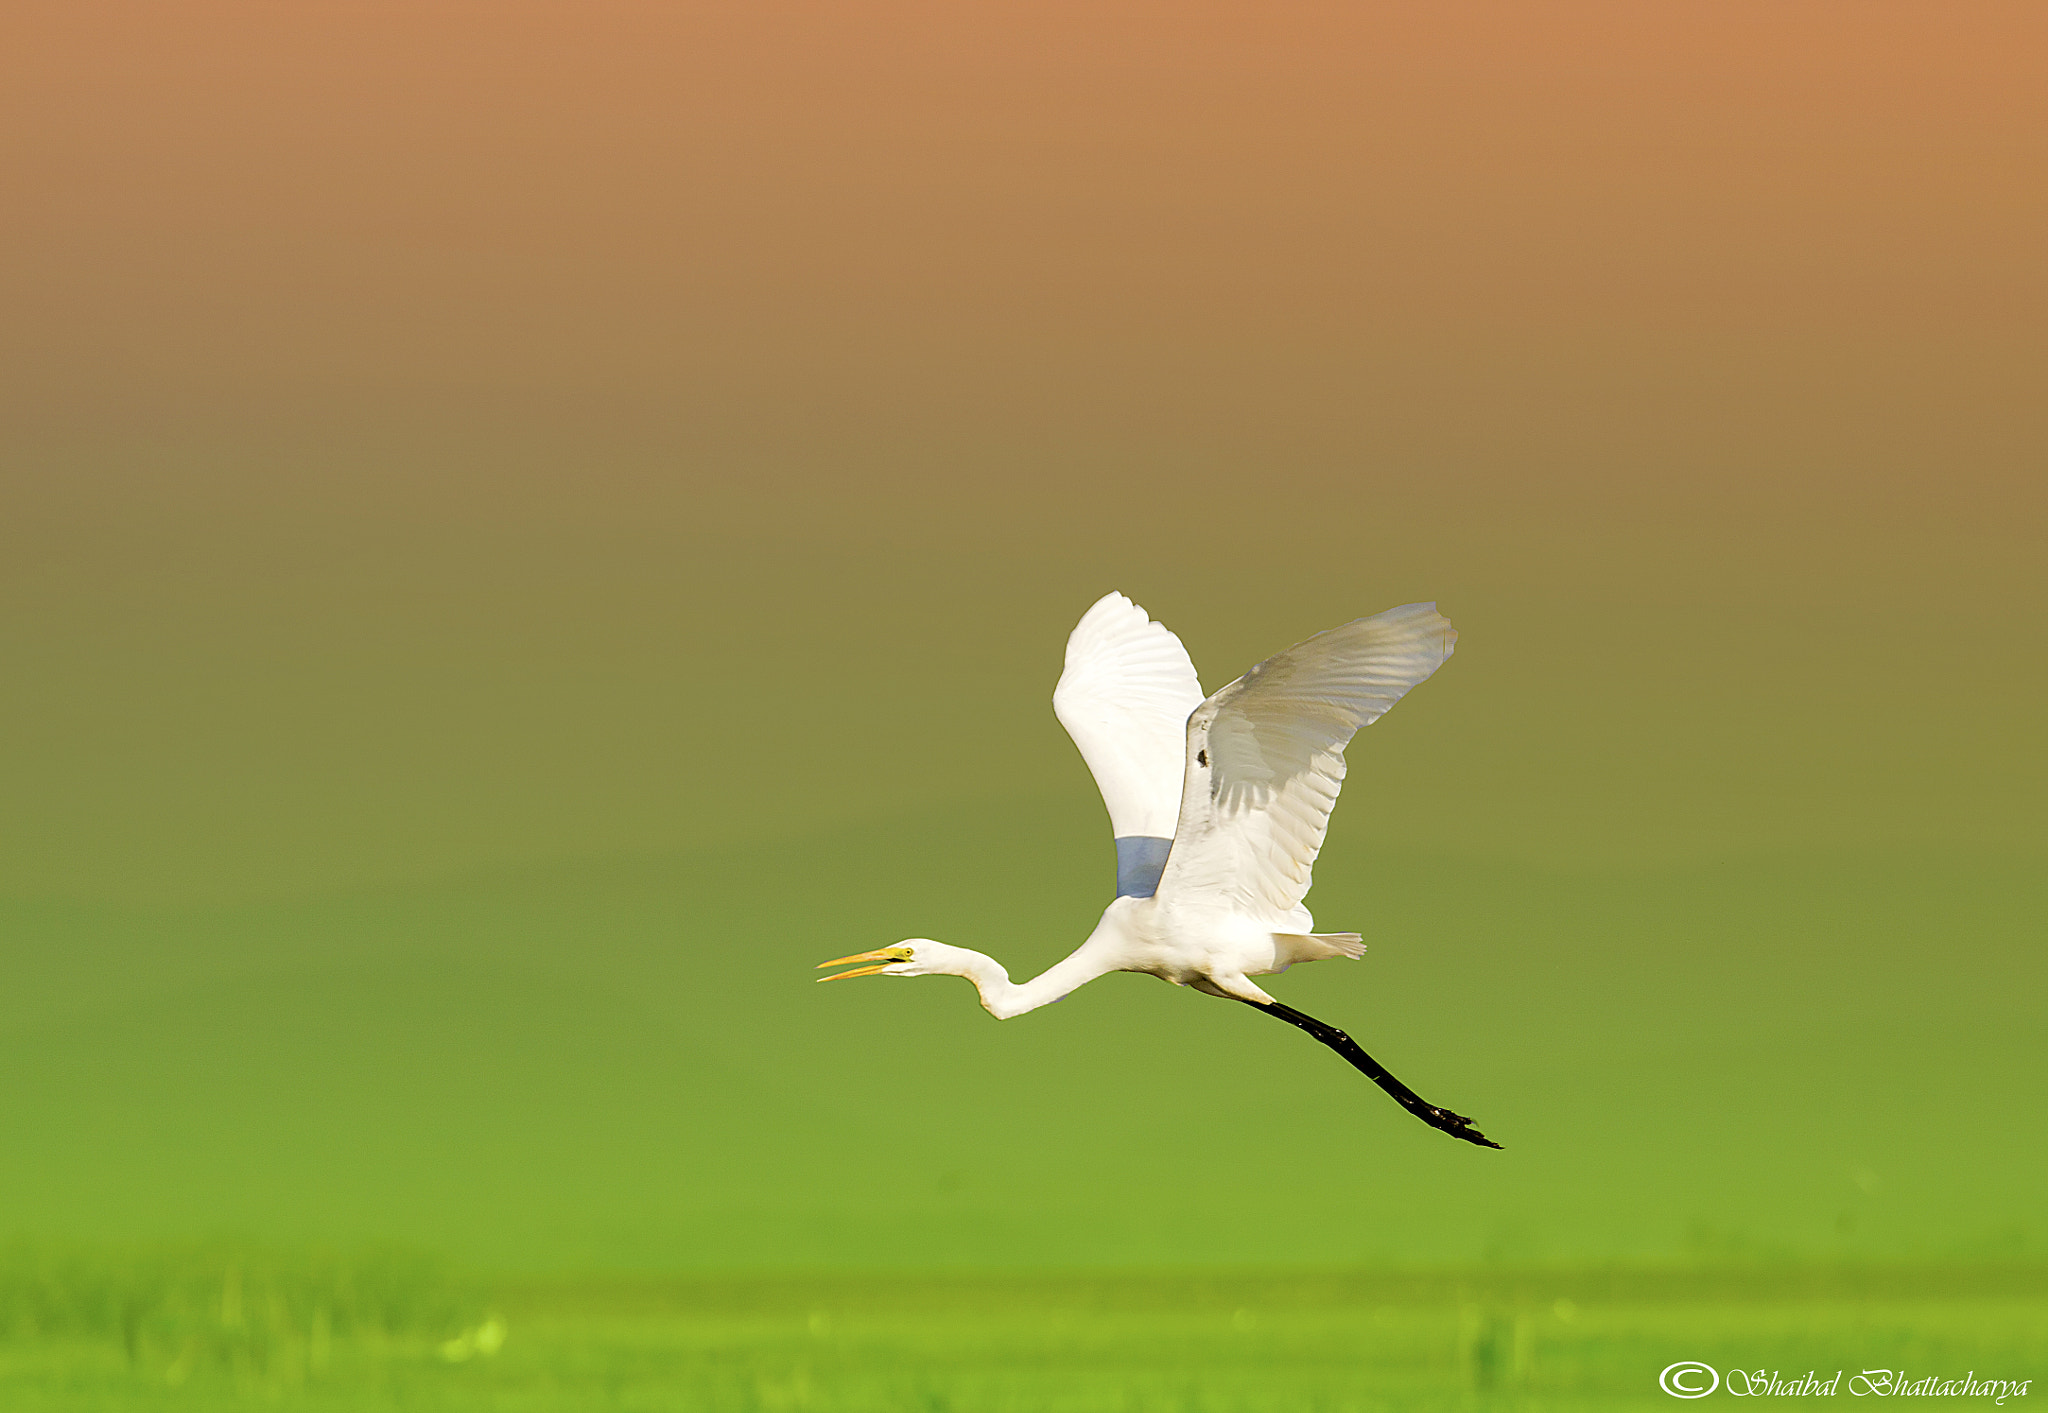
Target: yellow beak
[(884, 957)]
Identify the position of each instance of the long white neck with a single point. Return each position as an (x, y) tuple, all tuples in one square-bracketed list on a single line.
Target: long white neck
[(1004, 998)]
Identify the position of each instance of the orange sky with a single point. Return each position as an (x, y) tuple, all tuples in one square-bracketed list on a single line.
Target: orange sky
[(625, 203)]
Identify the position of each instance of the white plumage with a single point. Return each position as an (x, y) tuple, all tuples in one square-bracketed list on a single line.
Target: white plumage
[(1264, 757), (1218, 806), (1125, 698)]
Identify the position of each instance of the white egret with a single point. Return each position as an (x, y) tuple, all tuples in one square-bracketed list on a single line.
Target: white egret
[(1218, 807)]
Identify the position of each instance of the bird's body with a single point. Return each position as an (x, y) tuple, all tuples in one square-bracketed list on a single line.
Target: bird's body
[(1218, 806)]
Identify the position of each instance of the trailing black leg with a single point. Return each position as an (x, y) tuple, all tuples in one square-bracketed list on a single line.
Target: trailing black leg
[(1456, 1125)]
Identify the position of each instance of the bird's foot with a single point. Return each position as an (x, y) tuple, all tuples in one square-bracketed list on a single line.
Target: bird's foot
[(1456, 1125)]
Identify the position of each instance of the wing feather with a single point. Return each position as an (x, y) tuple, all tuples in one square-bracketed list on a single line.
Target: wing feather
[(1124, 697), (1264, 757)]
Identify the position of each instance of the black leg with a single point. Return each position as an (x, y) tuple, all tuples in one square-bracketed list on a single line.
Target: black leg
[(1456, 1125)]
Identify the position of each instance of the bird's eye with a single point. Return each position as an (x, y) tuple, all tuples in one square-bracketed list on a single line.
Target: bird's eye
[(1201, 757)]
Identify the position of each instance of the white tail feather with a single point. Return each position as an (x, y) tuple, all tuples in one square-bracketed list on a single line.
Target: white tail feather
[(1319, 946)]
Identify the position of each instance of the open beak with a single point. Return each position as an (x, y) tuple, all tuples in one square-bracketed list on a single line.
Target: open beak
[(883, 957)]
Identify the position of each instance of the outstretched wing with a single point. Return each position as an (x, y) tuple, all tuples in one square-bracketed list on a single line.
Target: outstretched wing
[(1265, 756), (1125, 697)]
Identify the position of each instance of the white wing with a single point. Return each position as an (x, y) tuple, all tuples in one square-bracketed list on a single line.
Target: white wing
[(1265, 757), (1125, 697)]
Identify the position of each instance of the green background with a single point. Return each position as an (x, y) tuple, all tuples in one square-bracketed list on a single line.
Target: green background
[(525, 531)]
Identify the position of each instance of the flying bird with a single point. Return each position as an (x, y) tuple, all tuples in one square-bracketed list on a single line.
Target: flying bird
[(1218, 806)]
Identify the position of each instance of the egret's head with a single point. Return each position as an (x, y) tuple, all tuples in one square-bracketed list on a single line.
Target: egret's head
[(915, 956)]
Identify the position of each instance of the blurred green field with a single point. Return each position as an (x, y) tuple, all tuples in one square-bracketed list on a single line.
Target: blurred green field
[(199, 1328), (626, 1067)]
